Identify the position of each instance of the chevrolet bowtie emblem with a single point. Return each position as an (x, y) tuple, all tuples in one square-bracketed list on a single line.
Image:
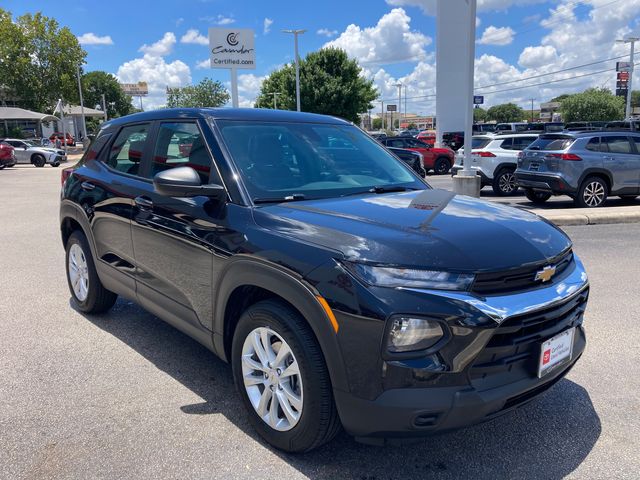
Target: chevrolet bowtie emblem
[(546, 273)]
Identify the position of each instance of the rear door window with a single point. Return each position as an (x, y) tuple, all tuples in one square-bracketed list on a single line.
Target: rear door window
[(617, 144), (507, 144), (127, 149), (594, 145), (520, 143), (636, 140)]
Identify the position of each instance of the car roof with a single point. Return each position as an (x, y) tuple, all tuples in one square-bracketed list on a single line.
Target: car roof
[(247, 114), (591, 133)]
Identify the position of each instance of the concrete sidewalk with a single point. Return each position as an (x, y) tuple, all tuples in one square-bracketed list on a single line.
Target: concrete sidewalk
[(590, 216)]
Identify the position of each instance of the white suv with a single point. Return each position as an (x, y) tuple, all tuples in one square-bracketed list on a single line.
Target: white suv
[(495, 158)]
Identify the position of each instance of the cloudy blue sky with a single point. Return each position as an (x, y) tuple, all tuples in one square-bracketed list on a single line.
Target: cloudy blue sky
[(163, 42)]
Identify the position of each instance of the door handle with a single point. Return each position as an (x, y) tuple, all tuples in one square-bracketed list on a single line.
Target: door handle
[(607, 157), (88, 186), (143, 203)]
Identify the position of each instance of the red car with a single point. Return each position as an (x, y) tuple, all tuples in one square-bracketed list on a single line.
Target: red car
[(7, 155), (439, 160), (427, 136), (71, 142)]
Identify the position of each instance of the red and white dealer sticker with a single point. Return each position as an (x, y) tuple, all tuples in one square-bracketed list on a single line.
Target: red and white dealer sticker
[(556, 351)]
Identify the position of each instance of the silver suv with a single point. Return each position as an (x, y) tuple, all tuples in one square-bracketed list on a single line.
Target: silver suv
[(587, 166)]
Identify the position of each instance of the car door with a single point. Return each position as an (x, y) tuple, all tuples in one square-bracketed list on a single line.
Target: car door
[(21, 151), (107, 184), (620, 159), (174, 239), (635, 142)]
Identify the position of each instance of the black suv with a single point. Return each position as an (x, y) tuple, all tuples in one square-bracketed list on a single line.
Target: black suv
[(343, 290)]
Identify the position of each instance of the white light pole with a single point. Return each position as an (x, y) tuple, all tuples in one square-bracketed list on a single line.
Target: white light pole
[(84, 122), (399, 85), (295, 43), (632, 41), (275, 101), (468, 124)]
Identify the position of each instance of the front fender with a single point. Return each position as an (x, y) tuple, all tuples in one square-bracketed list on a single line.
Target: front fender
[(249, 271)]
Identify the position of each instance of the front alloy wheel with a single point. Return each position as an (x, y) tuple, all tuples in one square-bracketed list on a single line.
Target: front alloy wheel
[(272, 379), (78, 272), (282, 378)]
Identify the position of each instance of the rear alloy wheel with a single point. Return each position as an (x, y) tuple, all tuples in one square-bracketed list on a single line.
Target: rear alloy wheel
[(39, 161), (504, 183), (536, 197), (442, 166), (592, 193), (281, 375), (87, 291)]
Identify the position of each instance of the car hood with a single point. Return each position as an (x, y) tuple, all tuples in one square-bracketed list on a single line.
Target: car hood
[(428, 228)]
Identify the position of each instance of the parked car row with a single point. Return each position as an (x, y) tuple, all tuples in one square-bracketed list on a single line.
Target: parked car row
[(588, 166), (27, 152), (439, 160)]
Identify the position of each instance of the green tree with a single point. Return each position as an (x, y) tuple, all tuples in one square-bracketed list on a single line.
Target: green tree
[(207, 93), (507, 112), (479, 114), (376, 123), (97, 83), (635, 98), (330, 83), (39, 59), (412, 126), (560, 98), (594, 104)]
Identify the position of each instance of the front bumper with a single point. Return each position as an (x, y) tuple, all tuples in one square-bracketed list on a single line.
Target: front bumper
[(8, 162), (546, 182), (488, 370)]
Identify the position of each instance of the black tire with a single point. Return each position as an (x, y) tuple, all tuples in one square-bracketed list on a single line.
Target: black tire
[(2, 166), (55, 164), (504, 183), (535, 197), (592, 193), (441, 166), (38, 160), (319, 421), (99, 299)]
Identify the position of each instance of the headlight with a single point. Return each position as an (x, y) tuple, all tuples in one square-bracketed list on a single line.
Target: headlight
[(409, 334), (410, 277)]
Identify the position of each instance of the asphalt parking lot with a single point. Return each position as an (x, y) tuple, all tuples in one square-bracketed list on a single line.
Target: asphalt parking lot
[(124, 395)]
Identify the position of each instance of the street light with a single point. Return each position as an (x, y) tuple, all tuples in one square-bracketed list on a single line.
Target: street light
[(275, 101), (632, 41), (295, 42), (399, 85), (84, 122)]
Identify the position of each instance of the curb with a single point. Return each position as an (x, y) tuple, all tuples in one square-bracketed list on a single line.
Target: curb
[(581, 217)]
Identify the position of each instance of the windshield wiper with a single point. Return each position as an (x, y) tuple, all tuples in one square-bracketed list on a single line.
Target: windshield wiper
[(381, 189), (288, 198)]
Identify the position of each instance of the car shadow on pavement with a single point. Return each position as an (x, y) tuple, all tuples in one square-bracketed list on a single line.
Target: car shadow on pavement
[(547, 438)]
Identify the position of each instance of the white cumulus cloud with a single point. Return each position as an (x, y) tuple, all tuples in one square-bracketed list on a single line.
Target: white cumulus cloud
[(266, 27), (194, 36), (91, 38), (497, 36), (429, 6), (162, 47), (535, 57), (391, 40), (327, 32)]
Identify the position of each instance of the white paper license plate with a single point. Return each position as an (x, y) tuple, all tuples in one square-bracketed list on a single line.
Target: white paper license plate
[(556, 351)]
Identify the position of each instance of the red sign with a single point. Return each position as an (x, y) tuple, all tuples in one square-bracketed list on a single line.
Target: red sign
[(623, 76)]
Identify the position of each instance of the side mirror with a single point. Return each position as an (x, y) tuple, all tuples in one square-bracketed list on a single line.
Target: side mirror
[(24, 147), (185, 182)]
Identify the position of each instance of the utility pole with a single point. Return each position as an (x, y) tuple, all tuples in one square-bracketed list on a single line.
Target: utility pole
[(382, 113), (84, 122), (295, 44), (275, 101), (532, 109), (399, 85), (632, 41)]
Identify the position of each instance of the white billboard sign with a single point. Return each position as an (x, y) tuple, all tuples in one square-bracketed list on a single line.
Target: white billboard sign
[(232, 48), (135, 89)]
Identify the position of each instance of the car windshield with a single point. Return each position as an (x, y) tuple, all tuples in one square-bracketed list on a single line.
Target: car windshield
[(552, 142), (311, 160)]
